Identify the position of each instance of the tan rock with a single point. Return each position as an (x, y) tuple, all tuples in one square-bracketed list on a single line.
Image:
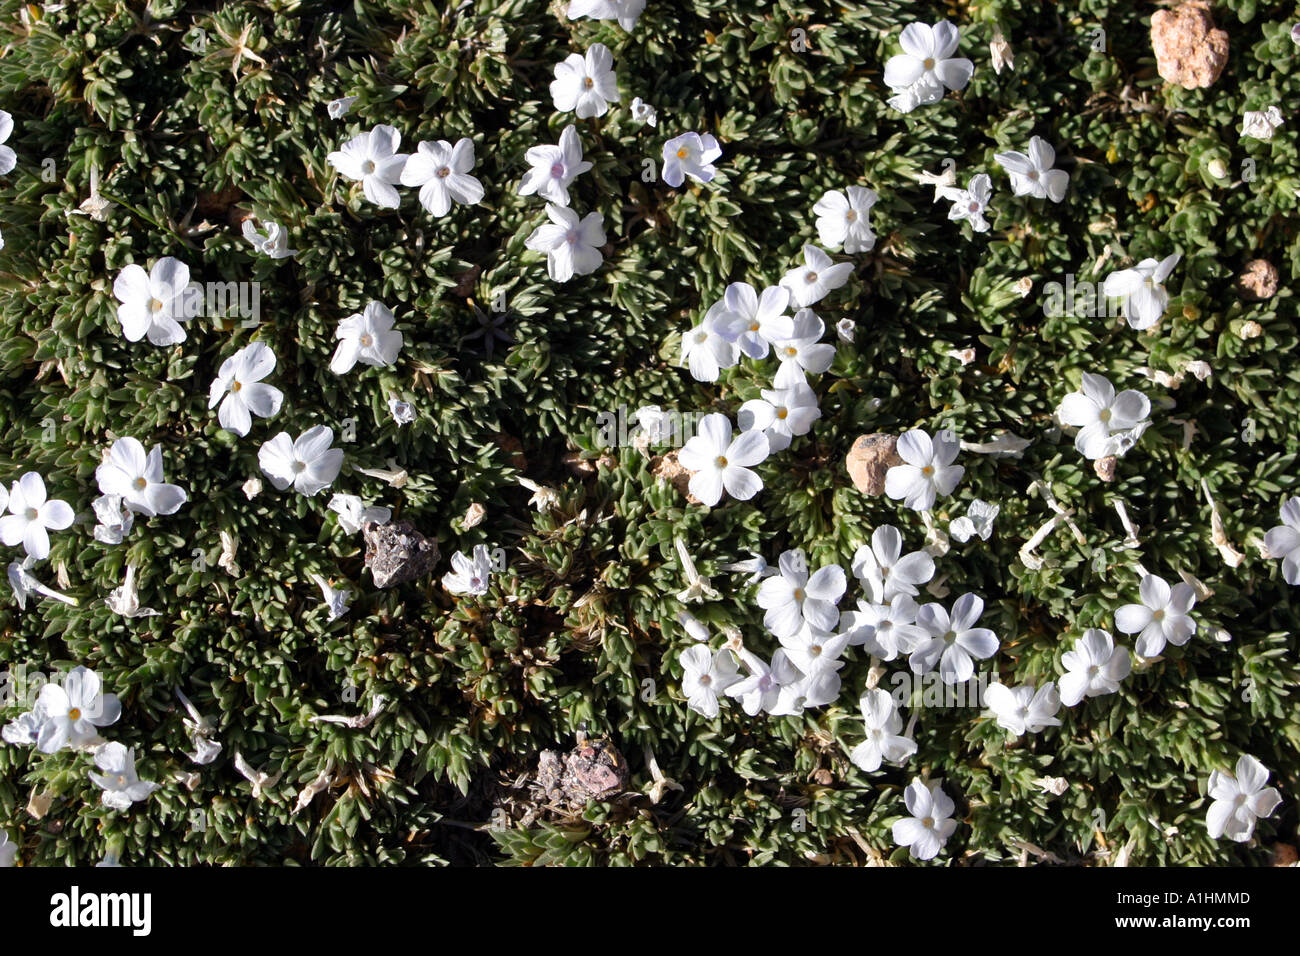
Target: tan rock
[(1105, 468), (1258, 280), (870, 459), (669, 469), (1189, 50)]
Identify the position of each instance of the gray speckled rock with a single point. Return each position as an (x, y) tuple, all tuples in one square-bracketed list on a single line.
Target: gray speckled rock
[(396, 552)]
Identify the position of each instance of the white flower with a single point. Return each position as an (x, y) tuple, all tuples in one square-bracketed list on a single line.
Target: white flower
[(756, 567), (340, 107), (692, 625), (624, 11), (842, 219), (114, 519), (554, 168), (25, 729), (1022, 710), (816, 278), (1093, 668), (970, 203), (24, 584), (792, 598), (761, 690), (885, 571), (1032, 174), (31, 517), (1239, 800), (930, 825), (711, 346), (585, 84), (926, 66), (886, 631), (1284, 541), (367, 337), (138, 479), (705, 676), (240, 381), (690, 155), (336, 599), (275, 243), (442, 172), (309, 463), (8, 848), (152, 302), (817, 656), (756, 321), (1108, 424), (469, 576), (8, 158), (884, 742), (978, 520), (928, 469), (1163, 616), (125, 599), (373, 159), (846, 330), (803, 352), (1261, 124), (952, 641), (1142, 290), (73, 712), (403, 412), (644, 113), (352, 513), (780, 414), (572, 246), (202, 730), (119, 782), (251, 488), (722, 464)]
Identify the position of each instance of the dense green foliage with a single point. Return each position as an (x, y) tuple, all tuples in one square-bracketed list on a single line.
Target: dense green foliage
[(187, 141)]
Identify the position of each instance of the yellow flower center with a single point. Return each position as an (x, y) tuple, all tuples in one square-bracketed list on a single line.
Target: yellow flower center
[(721, 461), (74, 714), (681, 153)]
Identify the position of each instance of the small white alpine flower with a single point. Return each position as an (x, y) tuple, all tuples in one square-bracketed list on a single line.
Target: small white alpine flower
[(644, 113), (972, 202), (885, 571), (816, 278), (367, 337), (1032, 174), (572, 246), (274, 242), (978, 520), (930, 825), (1261, 124), (846, 330), (354, 514), (1162, 617), (125, 598), (926, 66), (1109, 424), (154, 303), (554, 168), (32, 516), (24, 584), (817, 655), (721, 463), (73, 711), (886, 631), (1024, 710), (442, 172), (373, 159), (335, 599), (138, 478), (803, 352), (239, 380), (1142, 290), (884, 741), (760, 692), (403, 413), (756, 567), (953, 642), (705, 676), (781, 414), (624, 11), (711, 346), (8, 158), (756, 321), (308, 463), (1239, 800), (843, 219), (585, 84), (1283, 541), (339, 108), (1093, 668), (469, 575), (928, 469), (692, 625), (793, 599), (690, 155), (119, 782)]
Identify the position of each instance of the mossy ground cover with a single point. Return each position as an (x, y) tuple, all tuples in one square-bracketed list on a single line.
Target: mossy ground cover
[(195, 115)]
